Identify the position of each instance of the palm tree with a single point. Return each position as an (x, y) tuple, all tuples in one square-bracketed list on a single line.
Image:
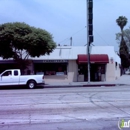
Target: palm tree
[(121, 21), (124, 53)]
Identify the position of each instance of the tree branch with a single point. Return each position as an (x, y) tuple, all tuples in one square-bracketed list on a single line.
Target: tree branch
[(26, 56)]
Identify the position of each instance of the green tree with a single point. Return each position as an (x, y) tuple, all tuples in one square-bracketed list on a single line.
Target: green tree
[(126, 35), (121, 21), (123, 49), (21, 41)]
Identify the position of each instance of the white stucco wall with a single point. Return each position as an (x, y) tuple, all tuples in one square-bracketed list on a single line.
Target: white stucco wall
[(72, 71), (109, 50), (110, 71)]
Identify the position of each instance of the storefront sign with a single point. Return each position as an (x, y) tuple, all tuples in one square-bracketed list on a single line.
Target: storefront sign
[(55, 61)]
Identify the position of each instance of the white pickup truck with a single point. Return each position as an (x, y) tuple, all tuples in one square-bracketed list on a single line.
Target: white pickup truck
[(13, 77)]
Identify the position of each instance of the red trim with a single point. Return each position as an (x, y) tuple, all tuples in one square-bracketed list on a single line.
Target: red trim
[(94, 58)]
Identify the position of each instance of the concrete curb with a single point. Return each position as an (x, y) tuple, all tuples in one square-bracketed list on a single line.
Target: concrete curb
[(61, 86), (99, 85), (86, 85)]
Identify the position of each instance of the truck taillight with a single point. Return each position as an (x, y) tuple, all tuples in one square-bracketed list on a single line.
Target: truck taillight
[(42, 77)]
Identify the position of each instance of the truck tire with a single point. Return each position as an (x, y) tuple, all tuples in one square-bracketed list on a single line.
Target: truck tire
[(31, 84)]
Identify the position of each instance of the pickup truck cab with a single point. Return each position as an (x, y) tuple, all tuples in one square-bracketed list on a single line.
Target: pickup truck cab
[(13, 77)]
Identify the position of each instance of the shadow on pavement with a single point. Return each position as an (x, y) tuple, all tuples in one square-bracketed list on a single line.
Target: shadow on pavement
[(17, 87)]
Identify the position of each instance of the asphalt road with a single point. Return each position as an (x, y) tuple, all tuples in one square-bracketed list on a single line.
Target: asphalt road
[(74, 125), (96, 108)]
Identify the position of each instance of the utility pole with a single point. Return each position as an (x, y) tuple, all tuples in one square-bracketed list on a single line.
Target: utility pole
[(70, 41), (88, 56), (89, 31)]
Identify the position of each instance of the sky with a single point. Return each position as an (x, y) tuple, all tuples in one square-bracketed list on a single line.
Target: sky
[(67, 18)]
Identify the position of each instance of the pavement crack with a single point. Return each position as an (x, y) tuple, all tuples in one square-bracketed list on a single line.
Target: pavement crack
[(91, 100), (118, 108), (61, 97), (80, 94)]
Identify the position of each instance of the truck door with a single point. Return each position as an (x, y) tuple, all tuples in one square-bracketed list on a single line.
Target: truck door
[(6, 78)]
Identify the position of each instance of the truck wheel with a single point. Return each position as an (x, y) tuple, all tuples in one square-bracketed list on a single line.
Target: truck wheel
[(31, 84)]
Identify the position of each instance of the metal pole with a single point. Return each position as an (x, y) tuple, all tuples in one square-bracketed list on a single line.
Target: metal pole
[(88, 54)]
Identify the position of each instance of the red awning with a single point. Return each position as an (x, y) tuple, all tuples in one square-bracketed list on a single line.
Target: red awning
[(94, 58)]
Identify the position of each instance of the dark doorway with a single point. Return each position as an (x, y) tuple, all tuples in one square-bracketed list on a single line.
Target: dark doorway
[(96, 71)]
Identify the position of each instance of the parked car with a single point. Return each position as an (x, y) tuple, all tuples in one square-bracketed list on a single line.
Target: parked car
[(13, 77)]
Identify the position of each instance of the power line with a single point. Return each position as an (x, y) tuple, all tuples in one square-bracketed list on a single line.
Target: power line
[(64, 40), (68, 38), (78, 31), (101, 37)]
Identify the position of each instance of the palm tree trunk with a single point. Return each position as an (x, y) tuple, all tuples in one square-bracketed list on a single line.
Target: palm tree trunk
[(122, 38)]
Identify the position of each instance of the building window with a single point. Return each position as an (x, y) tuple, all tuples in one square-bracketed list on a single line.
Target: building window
[(15, 73), (51, 68)]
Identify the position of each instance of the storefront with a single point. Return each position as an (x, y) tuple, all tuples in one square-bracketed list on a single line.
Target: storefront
[(97, 67), (51, 67), (69, 64)]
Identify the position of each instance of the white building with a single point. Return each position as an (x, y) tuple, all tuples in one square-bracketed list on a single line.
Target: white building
[(69, 64)]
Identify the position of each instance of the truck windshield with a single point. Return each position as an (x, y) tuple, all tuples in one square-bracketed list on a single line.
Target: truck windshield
[(7, 73)]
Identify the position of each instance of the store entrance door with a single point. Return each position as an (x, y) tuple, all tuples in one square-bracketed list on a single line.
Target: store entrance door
[(93, 72), (97, 72)]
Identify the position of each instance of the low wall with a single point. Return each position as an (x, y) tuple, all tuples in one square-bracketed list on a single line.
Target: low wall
[(110, 71), (72, 71), (56, 78)]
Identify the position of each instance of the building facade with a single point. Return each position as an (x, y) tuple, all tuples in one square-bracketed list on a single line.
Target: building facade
[(69, 64)]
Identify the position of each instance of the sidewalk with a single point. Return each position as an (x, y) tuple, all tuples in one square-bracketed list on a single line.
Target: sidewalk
[(123, 80)]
